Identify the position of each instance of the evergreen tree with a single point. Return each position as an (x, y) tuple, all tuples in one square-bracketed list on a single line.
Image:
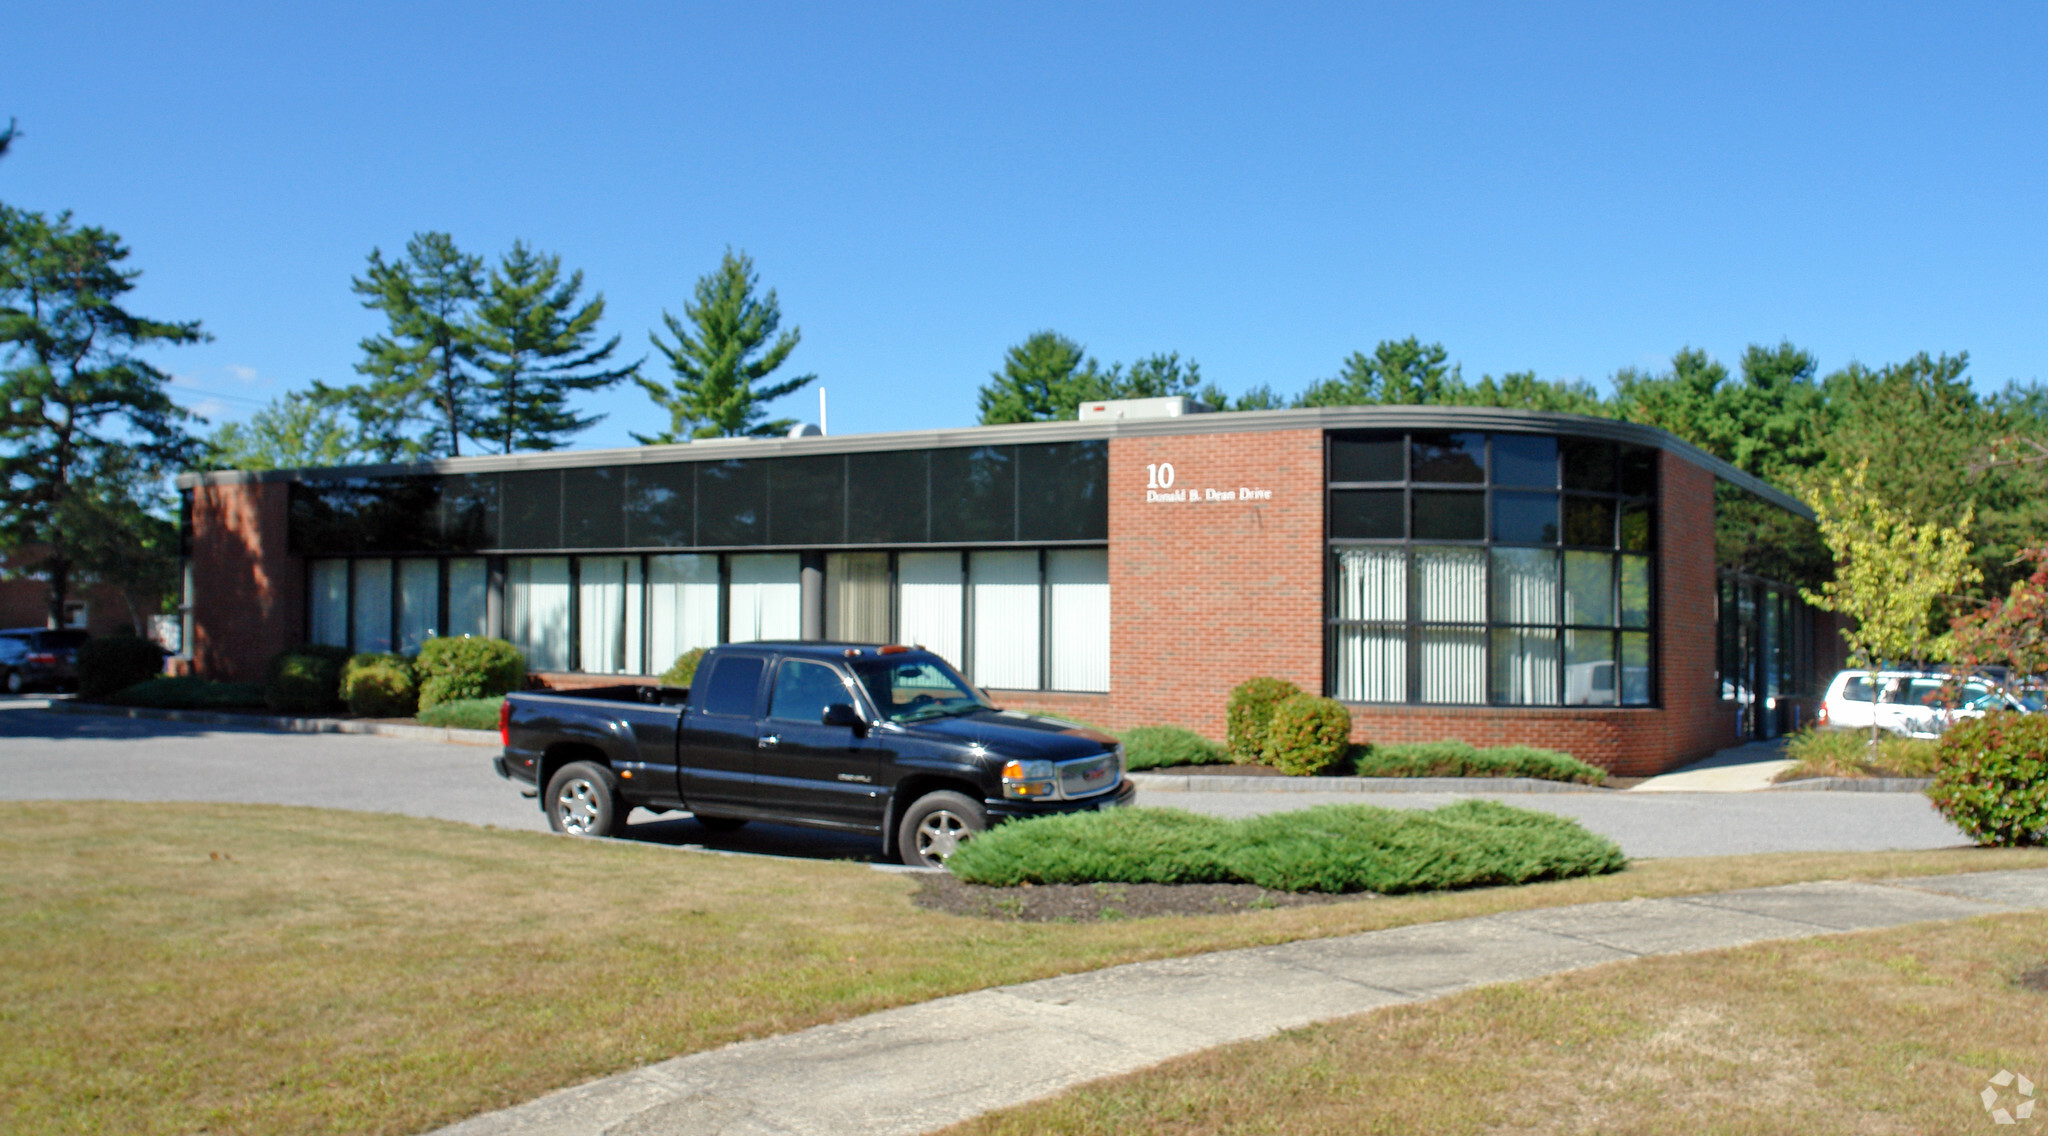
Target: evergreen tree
[(422, 371), (1522, 390), (713, 393), (533, 341), (1046, 378), (77, 399), (1400, 373)]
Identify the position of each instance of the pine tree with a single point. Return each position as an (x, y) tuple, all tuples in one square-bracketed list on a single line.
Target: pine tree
[(718, 358), (533, 341), (422, 371), (1045, 378)]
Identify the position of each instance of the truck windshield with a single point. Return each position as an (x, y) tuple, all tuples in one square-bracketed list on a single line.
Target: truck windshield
[(914, 691)]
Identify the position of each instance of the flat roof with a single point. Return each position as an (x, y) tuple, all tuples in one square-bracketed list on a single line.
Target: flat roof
[(1484, 418)]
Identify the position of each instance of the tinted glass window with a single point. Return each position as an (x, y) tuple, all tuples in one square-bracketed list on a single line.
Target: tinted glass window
[(1369, 514), (364, 514), (974, 494), (1449, 515), (531, 510), (734, 687), (61, 640), (1638, 471), (1588, 465), (661, 506), (1589, 520), (1067, 493), (1523, 459), (803, 690), (807, 500), (469, 512), (1525, 518), (912, 691), (1450, 457), (1363, 457), (887, 497), (1637, 531), (732, 502), (596, 516)]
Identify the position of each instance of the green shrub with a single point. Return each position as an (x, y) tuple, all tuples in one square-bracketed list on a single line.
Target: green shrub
[(1993, 778), (684, 668), (188, 693), (1308, 734), (116, 662), (305, 680), (453, 669), (463, 714), (1334, 848), (1249, 713), (1847, 753), (1158, 747), (380, 686), (1460, 759)]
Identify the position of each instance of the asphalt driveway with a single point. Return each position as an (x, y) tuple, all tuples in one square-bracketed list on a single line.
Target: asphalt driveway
[(46, 756)]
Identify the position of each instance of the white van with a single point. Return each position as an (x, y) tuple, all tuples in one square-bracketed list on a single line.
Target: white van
[(1908, 703)]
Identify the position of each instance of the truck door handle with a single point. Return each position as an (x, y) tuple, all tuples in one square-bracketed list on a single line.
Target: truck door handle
[(770, 742)]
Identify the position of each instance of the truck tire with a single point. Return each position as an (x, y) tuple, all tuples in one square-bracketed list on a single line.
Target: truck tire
[(580, 801), (935, 825), (720, 824)]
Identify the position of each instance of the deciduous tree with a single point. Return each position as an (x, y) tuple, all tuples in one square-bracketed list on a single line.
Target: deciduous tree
[(296, 431), (729, 344)]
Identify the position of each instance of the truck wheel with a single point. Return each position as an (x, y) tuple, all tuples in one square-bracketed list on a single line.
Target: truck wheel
[(15, 683), (580, 801), (935, 825), (720, 824)]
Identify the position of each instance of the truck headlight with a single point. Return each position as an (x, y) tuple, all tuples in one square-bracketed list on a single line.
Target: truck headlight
[(1028, 780)]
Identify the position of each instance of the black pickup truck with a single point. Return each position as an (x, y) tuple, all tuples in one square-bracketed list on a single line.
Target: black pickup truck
[(887, 740)]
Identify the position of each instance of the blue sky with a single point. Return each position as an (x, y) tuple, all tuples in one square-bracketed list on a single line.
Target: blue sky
[(1265, 188)]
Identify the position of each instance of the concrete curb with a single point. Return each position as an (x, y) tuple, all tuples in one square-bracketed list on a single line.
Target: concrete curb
[(281, 725), (1226, 783), (923, 1067), (1856, 785)]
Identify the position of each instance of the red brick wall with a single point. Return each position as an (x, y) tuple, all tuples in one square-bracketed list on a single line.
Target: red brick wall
[(248, 591)]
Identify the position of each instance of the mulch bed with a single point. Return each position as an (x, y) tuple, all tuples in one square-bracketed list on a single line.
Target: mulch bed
[(1089, 903)]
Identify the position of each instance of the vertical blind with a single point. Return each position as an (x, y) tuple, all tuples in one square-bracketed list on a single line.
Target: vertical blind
[(329, 618), (537, 610), (1077, 591), (767, 597), (419, 603), (682, 607), (468, 597), (929, 603), (857, 597), (372, 619), (608, 614), (1372, 662), (1005, 601)]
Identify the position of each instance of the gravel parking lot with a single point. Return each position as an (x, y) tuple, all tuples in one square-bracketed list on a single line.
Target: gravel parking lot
[(47, 756)]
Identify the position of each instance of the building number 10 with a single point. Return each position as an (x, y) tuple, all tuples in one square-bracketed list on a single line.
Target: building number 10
[(1159, 476)]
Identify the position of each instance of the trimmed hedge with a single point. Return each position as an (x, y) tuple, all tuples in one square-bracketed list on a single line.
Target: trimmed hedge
[(305, 679), (115, 663), (464, 714), (1333, 848), (188, 693), (453, 669), (1249, 714), (1993, 778), (1157, 747), (680, 672), (1308, 734), (1460, 759), (380, 686)]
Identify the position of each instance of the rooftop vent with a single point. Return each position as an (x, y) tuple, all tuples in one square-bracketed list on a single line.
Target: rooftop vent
[(1115, 408)]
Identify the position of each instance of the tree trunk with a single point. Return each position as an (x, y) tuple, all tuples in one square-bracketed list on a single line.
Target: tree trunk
[(60, 589)]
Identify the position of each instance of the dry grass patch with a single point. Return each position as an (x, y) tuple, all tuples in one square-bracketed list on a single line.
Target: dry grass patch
[(252, 969), (1882, 1032)]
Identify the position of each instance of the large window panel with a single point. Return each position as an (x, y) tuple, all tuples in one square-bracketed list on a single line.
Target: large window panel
[(531, 508), (1450, 584), (1525, 666), (469, 512), (1524, 585), (1453, 664), (1068, 493), (1635, 591), (1368, 457), (857, 597), (732, 502), (1449, 457), (661, 506), (1589, 588), (890, 492), (1451, 515), (1589, 668), (537, 610), (1525, 459), (682, 607), (419, 603), (807, 500), (596, 512), (468, 597), (1077, 588), (1368, 514), (1635, 668), (1372, 664), (974, 494), (329, 616), (371, 630), (1372, 584), (608, 599), (929, 602), (1006, 619), (767, 597), (1525, 518)]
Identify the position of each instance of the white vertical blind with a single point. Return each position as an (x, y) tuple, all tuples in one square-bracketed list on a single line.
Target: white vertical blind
[(1451, 584), (1372, 662), (1372, 584), (329, 622), (537, 610), (608, 614), (1525, 667), (767, 597), (1453, 664), (419, 603), (682, 607), (928, 602), (468, 605), (1524, 585), (372, 622), (857, 597), (1006, 594), (1077, 587)]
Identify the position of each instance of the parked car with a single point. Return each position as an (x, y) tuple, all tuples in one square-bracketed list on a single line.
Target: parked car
[(33, 657), (1913, 704), (887, 740)]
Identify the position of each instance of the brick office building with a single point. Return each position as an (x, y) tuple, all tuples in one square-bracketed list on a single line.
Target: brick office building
[(1492, 575)]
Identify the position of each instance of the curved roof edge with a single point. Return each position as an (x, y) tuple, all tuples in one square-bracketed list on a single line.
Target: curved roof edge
[(1496, 419)]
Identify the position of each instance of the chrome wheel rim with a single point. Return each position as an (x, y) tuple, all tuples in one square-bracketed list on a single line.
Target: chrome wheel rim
[(576, 806), (940, 835)]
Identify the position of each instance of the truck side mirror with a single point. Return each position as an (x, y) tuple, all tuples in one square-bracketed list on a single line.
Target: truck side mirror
[(843, 714)]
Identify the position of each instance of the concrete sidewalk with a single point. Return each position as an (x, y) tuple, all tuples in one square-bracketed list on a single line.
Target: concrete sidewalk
[(923, 1067), (1738, 769)]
